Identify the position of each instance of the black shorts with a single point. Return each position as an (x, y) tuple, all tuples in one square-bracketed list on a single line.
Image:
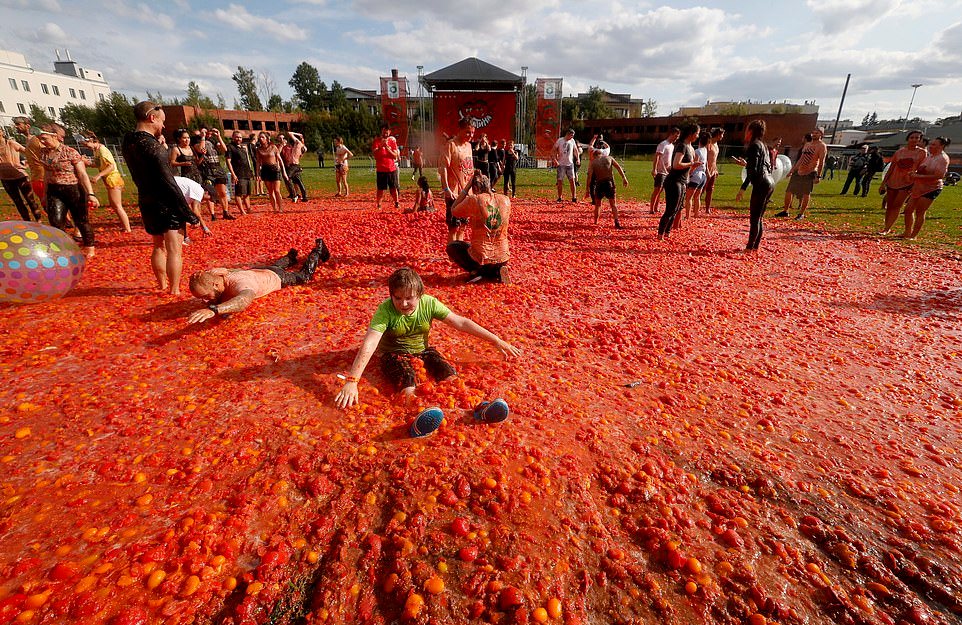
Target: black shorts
[(270, 173), (931, 195), (242, 187), (603, 189), (660, 180), (217, 175), (398, 370), (452, 221), (387, 180)]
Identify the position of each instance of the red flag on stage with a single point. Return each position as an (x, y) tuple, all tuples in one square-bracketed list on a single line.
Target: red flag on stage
[(548, 118), (394, 107)]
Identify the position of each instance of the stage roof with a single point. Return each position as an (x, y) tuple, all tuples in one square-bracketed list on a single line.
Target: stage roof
[(472, 74)]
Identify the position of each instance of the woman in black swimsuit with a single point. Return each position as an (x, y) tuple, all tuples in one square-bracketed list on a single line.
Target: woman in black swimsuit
[(270, 166)]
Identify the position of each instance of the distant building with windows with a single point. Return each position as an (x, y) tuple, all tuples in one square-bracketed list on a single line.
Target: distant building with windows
[(621, 104), (69, 83)]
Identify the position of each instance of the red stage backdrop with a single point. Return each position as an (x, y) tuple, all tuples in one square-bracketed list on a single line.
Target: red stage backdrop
[(394, 108), (548, 120), (491, 112)]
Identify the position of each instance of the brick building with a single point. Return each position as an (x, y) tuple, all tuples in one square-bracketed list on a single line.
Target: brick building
[(230, 120)]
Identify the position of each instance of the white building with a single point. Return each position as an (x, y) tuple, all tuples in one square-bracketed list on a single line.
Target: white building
[(21, 86)]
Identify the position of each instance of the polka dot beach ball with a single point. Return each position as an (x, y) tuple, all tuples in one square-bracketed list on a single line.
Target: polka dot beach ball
[(37, 262)]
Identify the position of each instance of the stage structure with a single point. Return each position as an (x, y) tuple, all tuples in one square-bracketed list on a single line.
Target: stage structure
[(547, 117), (394, 106), (479, 91)]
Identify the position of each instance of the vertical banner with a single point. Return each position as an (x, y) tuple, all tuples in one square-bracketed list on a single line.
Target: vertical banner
[(394, 108), (547, 122), (491, 112)]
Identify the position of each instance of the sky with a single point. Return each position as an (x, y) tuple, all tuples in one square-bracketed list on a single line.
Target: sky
[(682, 54)]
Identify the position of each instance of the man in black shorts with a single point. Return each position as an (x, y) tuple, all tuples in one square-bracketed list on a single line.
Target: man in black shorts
[(162, 205), (601, 182), (386, 153), (241, 168), (661, 165)]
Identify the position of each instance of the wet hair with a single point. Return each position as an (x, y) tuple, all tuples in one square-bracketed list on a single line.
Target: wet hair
[(674, 129), (464, 122), (405, 280), (341, 139), (89, 135), (689, 130), (808, 136), (915, 132), (21, 120), (945, 141), (756, 129), (717, 132), (143, 110), (203, 280), (480, 183), (263, 134), (195, 139), (423, 184), (180, 132), (703, 138)]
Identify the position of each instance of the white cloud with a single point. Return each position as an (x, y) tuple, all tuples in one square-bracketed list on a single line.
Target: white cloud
[(39, 5), (211, 69), (52, 33), (851, 16), (241, 19)]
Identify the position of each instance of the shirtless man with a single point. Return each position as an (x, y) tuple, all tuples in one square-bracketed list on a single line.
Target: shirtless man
[(805, 174), (226, 291), (601, 182), (456, 170)]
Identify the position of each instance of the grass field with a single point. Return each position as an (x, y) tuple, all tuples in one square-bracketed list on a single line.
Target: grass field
[(851, 214)]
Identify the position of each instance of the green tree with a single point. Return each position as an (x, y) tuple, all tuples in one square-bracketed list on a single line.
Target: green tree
[(275, 103), (592, 104), (78, 117), (38, 115), (247, 88), (115, 116), (310, 92), (204, 119), (196, 98), (649, 108), (337, 100)]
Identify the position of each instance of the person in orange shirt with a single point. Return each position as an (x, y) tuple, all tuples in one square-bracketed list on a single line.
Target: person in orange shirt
[(805, 174), (489, 212)]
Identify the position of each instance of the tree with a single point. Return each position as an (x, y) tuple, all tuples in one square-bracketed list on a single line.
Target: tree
[(310, 92), (38, 115), (649, 108), (78, 117), (115, 116), (337, 100), (221, 102), (592, 105), (275, 103), (873, 120), (267, 86), (247, 88), (865, 120), (196, 98)]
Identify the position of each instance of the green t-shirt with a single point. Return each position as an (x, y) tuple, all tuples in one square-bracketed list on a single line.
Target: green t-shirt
[(407, 333)]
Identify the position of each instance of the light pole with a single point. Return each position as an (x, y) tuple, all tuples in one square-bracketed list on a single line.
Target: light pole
[(421, 103), (915, 88)]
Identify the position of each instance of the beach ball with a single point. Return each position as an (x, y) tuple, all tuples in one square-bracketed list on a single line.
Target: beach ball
[(37, 262)]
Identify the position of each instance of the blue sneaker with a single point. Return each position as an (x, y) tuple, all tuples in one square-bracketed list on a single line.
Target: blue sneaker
[(492, 411), (427, 422)]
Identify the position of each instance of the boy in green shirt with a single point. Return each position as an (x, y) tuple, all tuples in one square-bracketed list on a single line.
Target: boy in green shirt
[(399, 330)]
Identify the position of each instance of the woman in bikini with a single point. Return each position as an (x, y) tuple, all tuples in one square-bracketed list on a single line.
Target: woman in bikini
[(271, 169)]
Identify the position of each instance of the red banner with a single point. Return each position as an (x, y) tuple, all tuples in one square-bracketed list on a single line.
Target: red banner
[(492, 113), (394, 108), (548, 118)]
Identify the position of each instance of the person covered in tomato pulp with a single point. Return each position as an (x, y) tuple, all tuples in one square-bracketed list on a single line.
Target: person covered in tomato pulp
[(400, 330)]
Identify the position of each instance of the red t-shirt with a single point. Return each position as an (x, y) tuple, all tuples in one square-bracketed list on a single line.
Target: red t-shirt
[(383, 158)]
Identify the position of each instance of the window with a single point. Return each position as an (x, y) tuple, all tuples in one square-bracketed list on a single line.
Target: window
[(13, 84), (83, 96), (2, 110), (73, 93), (45, 89), (56, 89), (61, 113), (22, 109), (26, 85), (102, 98), (51, 111)]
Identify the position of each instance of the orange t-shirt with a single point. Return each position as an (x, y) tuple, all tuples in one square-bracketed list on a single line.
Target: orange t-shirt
[(489, 214), (458, 162), (904, 162)]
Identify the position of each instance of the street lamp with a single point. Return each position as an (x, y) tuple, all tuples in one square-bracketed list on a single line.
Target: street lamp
[(421, 103), (915, 88)]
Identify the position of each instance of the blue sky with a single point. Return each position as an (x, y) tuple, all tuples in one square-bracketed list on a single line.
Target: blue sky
[(679, 54)]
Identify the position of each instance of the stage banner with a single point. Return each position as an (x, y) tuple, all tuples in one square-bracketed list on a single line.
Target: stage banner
[(491, 112), (394, 108), (548, 119)]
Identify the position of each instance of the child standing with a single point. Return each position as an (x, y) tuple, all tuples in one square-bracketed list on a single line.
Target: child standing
[(399, 330)]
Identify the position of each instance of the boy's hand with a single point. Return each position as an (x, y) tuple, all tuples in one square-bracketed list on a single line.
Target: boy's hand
[(509, 350), (348, 395)]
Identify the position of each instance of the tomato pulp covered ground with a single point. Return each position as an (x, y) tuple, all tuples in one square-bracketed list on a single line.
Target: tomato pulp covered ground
[(790, 454)]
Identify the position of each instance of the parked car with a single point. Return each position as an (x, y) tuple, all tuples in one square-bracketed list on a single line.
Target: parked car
[(952, 178)]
